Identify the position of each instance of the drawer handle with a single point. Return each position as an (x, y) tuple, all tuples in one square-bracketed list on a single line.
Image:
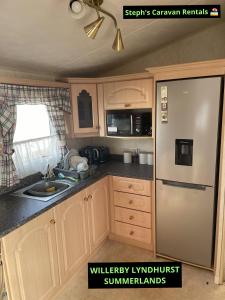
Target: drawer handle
[(131, 232), (89, 197), (130, 186), (131, 217), (131, 202), (85, 199), (52, 221), (127, 105)]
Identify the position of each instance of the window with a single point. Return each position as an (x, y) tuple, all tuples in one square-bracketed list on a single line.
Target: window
[(35, 142), (32, 122)]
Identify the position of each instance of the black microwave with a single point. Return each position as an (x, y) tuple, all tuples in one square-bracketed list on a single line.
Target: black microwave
[(129, 122)]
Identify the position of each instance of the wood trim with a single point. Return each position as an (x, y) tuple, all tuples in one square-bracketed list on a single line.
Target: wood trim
[(154, 169), (195, 69), (219, 263), (33, 82), (107, 79), (131, 242), (101, 111)]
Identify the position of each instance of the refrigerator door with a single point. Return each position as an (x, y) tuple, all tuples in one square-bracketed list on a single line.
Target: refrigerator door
[(186, 145), (184, 222)]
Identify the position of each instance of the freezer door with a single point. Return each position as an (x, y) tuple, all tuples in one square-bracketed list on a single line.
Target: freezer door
[(184, 222), (186, 145)]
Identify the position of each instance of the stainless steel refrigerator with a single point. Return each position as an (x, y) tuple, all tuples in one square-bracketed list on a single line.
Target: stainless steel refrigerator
[(187, 143)]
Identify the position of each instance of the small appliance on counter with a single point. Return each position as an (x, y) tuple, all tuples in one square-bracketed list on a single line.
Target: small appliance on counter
[(95, 154)]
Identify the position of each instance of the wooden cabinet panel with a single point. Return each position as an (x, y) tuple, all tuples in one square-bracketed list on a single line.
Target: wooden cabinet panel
[(131, 216), (72, 235), (130, 185), (97, 195), (85, 108), (133, 232), (30, 258), (128, 94), (137, 202)]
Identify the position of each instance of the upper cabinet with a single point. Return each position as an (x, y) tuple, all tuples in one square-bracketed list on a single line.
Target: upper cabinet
[(85, 109), (128, 94)]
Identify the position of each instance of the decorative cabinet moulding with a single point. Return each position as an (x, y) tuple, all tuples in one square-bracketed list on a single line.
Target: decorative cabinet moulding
[(196, 69), (140, 93), (128, 94)]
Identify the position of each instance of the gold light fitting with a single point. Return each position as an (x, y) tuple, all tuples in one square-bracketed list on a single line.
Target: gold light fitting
[(93, 28)]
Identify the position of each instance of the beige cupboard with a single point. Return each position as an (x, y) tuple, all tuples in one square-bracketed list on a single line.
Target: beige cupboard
[(131, 211), (85, 109), (30, 259), (48, 250), (130, 94)]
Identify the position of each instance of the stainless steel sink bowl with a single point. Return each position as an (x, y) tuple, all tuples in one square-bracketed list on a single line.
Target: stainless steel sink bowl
[(44, 190)]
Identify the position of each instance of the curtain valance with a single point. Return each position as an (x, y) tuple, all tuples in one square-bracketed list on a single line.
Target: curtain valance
[(20, 94)]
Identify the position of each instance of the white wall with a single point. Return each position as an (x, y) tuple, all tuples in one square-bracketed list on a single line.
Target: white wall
[(116, 146), (203, 45)]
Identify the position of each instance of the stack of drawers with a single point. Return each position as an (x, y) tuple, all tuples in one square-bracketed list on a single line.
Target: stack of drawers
[(131, 209)]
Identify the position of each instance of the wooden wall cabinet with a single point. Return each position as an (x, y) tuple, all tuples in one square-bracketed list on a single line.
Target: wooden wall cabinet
[(30, 259), (85, 109), (130, 94)]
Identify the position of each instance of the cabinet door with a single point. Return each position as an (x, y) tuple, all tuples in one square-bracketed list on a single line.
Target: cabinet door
[(98, 212), (128, 94), (85, 110), (72, 234), (30, 258)]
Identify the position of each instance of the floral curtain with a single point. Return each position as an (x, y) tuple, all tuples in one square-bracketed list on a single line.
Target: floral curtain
[(57, 100)]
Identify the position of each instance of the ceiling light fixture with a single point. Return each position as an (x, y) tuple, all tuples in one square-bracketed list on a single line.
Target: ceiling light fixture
[(77, 9), (93, 28)]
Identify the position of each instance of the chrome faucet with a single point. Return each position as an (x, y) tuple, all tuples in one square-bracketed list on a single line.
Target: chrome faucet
[(49, 174)]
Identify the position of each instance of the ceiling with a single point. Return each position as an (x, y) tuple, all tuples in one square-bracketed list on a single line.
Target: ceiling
[(41, 36)]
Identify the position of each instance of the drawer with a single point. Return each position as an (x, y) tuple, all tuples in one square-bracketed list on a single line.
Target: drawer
[(132, 201), (133, 232), (130, 185), (134, 217)]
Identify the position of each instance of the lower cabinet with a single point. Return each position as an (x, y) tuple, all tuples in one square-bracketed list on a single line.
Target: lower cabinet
[(40, 256), (72, 235), (30, 259), (82, 224), (98, 212)]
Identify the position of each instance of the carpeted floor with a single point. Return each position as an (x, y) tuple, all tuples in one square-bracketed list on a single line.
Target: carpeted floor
[(197, 284)]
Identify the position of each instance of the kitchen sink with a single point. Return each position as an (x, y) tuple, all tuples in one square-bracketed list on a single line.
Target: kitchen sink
[(44, 190)]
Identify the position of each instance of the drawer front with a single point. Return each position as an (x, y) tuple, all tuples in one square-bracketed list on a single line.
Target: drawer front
[(133, 232), (133, 217), (131, 201), (130, 185)]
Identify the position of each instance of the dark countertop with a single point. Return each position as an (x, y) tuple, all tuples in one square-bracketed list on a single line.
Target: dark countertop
[(16, 211)]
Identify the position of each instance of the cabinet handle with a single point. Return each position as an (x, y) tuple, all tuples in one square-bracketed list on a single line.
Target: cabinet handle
[(89, 196), (131, 232), (127, 105), (130, 186), (131, 217), (52, 221), (131, 202), (85, 199)]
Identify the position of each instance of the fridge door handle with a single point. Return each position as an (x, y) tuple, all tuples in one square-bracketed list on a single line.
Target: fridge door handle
[(185, 185)]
